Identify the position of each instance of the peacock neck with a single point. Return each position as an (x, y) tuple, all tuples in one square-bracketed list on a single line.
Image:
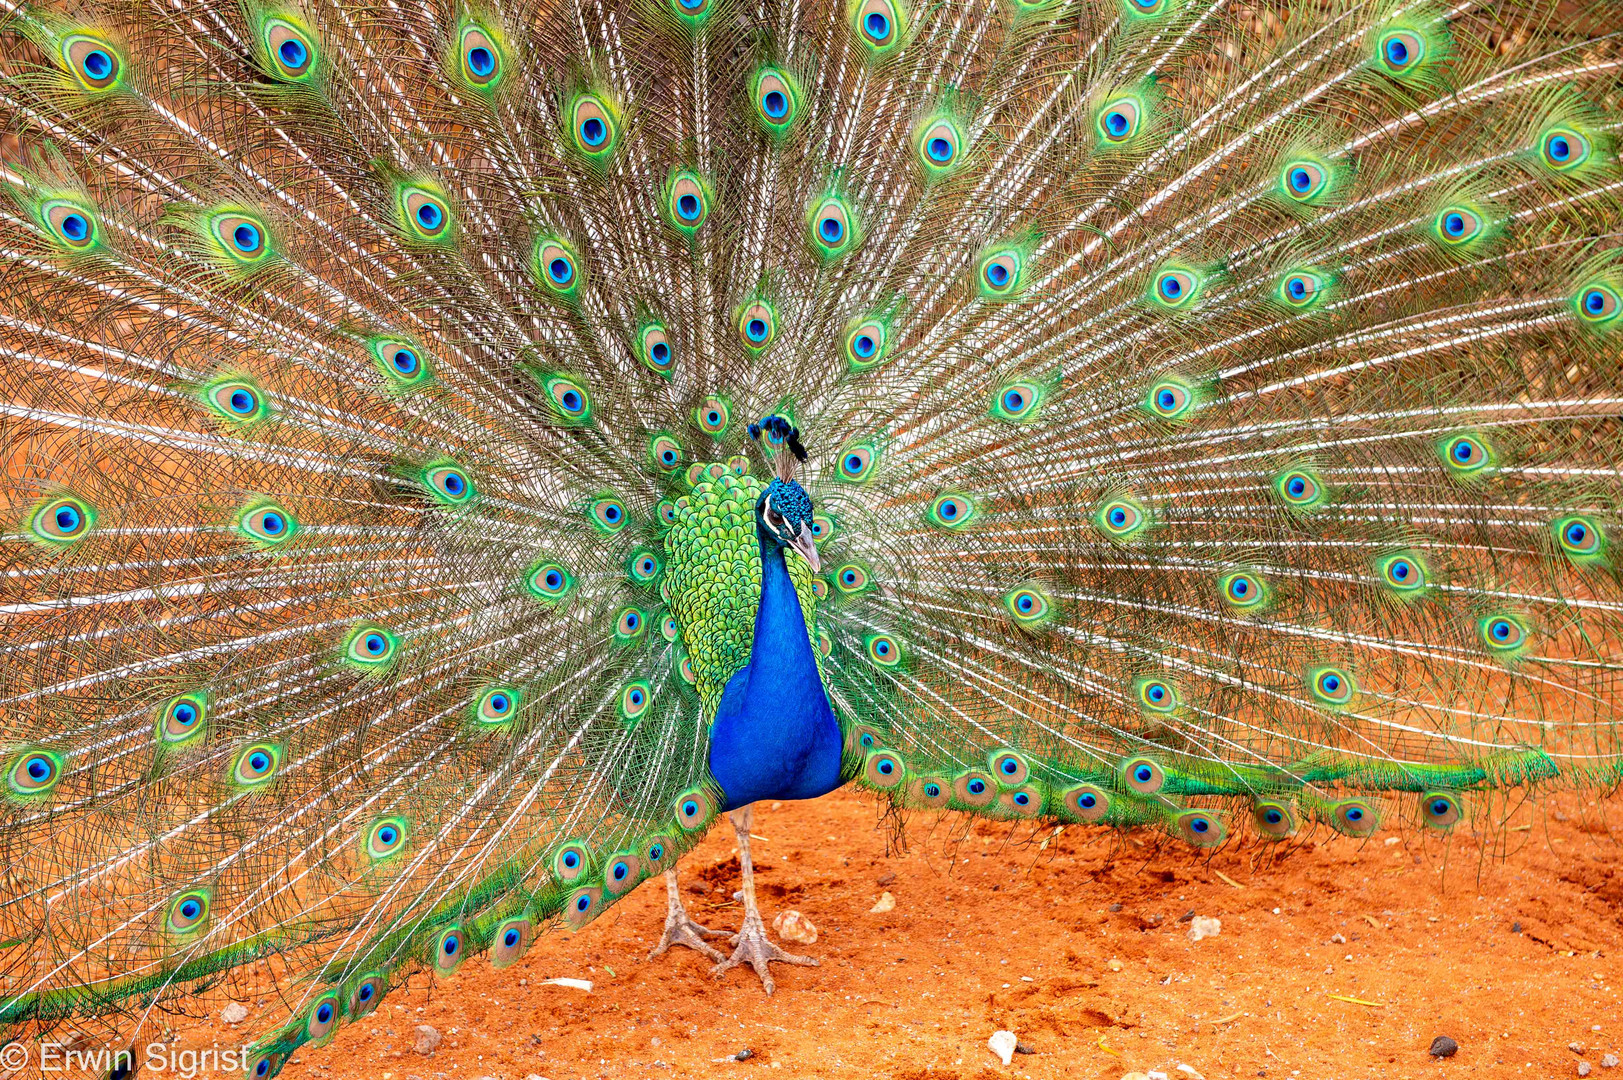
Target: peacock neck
[(781, 655), (775, 736)]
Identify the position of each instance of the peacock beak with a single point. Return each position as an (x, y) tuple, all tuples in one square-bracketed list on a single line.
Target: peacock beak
[(802, 542)]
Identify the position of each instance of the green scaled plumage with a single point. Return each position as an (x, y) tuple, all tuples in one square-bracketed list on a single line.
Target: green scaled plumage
[(1211, 414)]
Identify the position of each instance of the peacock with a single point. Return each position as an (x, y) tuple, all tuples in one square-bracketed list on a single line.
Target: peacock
[(457, 450)]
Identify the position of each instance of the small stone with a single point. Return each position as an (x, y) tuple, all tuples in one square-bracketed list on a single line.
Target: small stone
[(1024, 1048), (234, 1013), (1576, 1047), (1337, 939), (1515, 928), (1186, 916), (793, 926), (428, 1040), (1114, 965), (1002, 1043), (1114, 907), (1442, 1046), (744, 1054), (886, 902), (885, 879), (1609, 1061), (1583, 1068), (1204, 926)]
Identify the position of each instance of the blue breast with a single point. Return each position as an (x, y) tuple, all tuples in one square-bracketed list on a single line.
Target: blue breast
[(774, 735)]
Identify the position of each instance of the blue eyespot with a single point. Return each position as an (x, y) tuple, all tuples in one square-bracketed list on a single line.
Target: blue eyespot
[(74, 227), (68, 519), (592, 133), (245, 237), (375, 644), (1200, 825), (324, 1013), (1301, 180), (1273, 817), (97, 64), (1143, 774), (571, 859), (365, 992), (657, 852), (429, 216), (388, 835), (1117, 124), (877, 25), (864, 345), (184, 714), (451, 946), (997, 274), (293, 53), (560, 271), (939, 149), (191, 909), (583, 902), (620, 871), (688, 207), (690, 808), (976, 787), (258, 762), (887, 766), (774, 104), (481, 61), (932, 791), (1355, 814), (1397, 52), (404, 361), (831, 230), (1401, 570), (756, 330)]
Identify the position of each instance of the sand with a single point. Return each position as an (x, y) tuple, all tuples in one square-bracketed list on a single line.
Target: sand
[(1336, 959)]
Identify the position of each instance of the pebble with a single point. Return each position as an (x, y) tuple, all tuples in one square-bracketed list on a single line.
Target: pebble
[(886, 902), (1583, 1068), (428, 1040), (885, 879), (743, 1055), (1576, 1047), (1338, 940), (1442, 1046), (793, 926), (1114, 907), (1187, 916), (234, 1013), (1204, 926), (1002, 1043), (1609, 1061)]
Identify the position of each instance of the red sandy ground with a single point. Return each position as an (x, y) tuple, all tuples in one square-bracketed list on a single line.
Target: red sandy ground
[(990, 931)]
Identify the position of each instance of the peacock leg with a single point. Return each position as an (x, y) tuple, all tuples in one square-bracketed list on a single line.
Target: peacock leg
[(680, 929), (753, 948)]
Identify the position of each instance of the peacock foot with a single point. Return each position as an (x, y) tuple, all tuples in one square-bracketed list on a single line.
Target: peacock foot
[(754, 949), (680, 929)]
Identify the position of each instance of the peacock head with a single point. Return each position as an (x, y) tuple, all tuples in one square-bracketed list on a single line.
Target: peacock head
[(783, 513)]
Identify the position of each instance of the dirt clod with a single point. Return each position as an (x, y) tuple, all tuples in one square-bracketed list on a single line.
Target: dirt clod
[(1442, 1046)]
